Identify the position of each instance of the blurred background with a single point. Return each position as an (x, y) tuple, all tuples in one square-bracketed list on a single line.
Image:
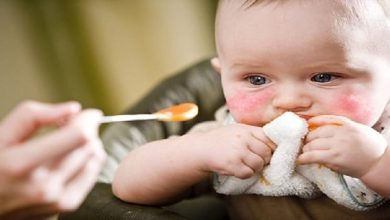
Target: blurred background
[(103, 53)]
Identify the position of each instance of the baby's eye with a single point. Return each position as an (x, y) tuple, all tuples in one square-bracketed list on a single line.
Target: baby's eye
[(323, 77), (257, 80)]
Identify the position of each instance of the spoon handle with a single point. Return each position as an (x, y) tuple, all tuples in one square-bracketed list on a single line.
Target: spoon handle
[(118, 118)]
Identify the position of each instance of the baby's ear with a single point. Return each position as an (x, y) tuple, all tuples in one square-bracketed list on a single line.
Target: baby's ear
[(216, 64)]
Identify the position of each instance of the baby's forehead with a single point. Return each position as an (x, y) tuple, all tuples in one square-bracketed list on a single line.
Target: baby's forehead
[(361, 13), (358, 20), (351, 8)]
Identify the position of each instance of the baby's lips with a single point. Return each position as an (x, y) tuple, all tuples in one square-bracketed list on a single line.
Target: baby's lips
[(313, 126)]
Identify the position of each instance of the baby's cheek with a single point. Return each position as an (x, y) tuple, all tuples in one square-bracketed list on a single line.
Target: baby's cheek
[(355, 107), (248, 108)]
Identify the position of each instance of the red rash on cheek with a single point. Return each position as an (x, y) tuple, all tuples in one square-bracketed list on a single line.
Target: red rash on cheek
[(354, 107), (248, 107)]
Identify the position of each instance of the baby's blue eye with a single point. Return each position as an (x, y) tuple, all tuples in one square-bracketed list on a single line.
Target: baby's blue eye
[(323, 77), (257, 80)]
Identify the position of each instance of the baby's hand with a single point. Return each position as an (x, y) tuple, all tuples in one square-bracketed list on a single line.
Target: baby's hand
[(342, 145), (235, 150)]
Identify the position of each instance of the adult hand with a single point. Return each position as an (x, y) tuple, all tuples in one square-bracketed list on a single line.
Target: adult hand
[(49, 173)]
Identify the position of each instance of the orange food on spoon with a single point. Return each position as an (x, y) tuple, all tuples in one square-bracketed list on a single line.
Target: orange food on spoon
[(177, 113)]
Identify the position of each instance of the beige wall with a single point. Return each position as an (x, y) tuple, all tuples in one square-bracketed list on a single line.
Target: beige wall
[(104, 53), (20, 76)]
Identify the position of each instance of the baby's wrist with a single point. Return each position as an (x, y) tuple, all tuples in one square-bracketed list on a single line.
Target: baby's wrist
[(380, 165), (195, 152)]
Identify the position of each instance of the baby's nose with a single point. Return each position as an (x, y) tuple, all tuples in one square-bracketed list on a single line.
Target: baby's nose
[(291, 98)]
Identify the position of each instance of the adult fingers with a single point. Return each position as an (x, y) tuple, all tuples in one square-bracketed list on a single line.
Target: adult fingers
[(88, 120), (50, 196), (71, 164), (51, 184), (26, 197), (77, 160), (80, 185), (28, 116), (32, 211), (43, 149)]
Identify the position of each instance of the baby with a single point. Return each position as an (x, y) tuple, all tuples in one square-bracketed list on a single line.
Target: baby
[(327, 61)]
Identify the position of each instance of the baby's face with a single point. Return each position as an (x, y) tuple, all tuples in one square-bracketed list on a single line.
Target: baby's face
[(307, 57)]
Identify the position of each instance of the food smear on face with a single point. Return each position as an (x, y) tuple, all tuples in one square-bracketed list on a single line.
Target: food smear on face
[(313, 126)]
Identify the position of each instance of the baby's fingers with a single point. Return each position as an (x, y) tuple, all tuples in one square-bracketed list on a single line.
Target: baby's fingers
[(259, 135), (317, 144), (262, 150), (254, 162), (243, 172), (317, 156)]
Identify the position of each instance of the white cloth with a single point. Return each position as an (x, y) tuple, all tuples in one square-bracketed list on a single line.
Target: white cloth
[(282, 177)]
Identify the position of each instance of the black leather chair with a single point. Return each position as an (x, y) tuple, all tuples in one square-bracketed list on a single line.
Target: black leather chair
[(198, 84)]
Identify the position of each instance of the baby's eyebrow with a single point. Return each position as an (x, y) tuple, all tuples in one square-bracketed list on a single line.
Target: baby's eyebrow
[(336, 67), (245, 65)]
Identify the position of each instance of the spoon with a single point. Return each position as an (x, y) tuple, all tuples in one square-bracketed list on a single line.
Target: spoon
[(176, 113)]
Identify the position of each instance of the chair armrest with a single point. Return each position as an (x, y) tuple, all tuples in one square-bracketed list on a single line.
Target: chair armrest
[(102, 204)]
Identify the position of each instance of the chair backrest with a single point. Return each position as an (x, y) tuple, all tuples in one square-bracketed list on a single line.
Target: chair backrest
[(199, 84)]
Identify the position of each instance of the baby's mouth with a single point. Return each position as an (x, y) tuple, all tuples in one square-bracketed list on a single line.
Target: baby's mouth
[(306, 117)]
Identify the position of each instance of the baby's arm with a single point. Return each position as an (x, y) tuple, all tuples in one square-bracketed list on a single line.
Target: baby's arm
[(349, 148), (160, 171), (378, 177)]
